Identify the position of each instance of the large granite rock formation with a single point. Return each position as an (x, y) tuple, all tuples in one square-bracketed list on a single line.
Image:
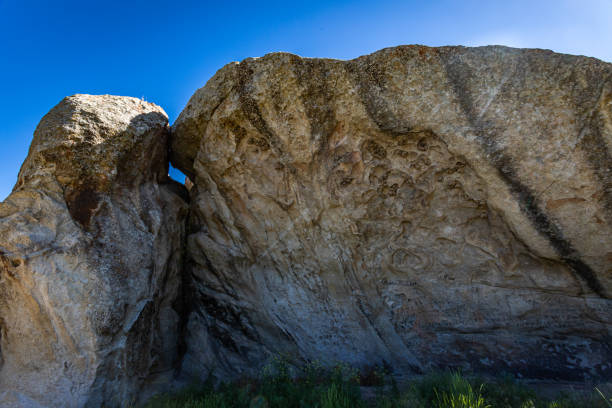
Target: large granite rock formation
[(417, 207), (90, 252)]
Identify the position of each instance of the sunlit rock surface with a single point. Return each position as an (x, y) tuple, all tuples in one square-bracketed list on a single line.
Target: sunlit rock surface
[(417, 207), (90, 251)]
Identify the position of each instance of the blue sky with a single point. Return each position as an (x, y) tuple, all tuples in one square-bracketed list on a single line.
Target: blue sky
[(164, 51)]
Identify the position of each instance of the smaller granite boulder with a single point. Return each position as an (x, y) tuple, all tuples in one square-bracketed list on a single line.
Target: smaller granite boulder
[(90, 254)]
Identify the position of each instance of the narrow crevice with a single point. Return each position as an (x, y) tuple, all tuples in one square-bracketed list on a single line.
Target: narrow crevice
[(183, 305)]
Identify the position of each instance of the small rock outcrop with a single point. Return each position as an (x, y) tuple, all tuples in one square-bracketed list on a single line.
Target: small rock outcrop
[(416, 208), (91, 256)]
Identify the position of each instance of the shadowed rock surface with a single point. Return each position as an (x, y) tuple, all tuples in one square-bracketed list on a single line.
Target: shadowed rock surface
[(90, 250), (417, 207)]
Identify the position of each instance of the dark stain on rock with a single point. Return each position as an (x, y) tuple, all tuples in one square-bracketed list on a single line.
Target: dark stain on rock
[(346, 181), (596, 149), (138, 343), (82, 205), (422, 145), (251, 109), (235, 129), (227, 320), (317, 98), (459, 75), (370, 82), (376, 150), (261, 143), (7, 266)]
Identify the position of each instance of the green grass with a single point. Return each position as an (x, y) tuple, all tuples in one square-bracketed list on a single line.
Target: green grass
[(281, 386)]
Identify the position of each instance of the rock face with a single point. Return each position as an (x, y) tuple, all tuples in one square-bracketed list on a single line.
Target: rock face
[(91, 257), (417, 207)]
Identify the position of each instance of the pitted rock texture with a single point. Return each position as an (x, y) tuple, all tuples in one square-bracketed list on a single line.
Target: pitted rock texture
[(91, 255), (417, 207)]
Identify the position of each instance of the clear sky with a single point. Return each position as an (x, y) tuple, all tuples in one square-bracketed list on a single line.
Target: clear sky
[(165, 50)]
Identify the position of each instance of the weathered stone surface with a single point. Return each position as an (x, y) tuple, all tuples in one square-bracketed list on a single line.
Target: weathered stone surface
[(417, 207), (90, 250)]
